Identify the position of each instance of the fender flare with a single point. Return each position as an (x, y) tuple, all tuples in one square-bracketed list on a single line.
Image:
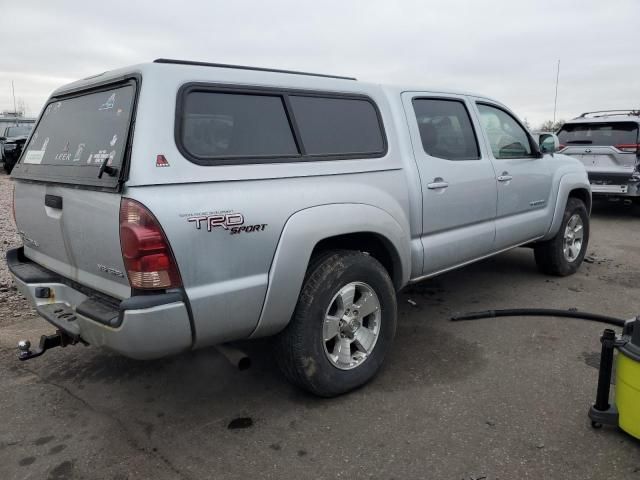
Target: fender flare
[(301, 233), (568, 183)]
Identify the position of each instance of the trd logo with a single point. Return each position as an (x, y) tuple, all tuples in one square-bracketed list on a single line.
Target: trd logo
[(233, 222), (226, 221)]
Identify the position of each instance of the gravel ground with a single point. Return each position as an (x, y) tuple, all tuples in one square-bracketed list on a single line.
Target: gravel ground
[(12, 306), (493, 399)]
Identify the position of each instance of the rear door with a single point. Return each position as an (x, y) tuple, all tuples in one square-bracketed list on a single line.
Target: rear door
[(67, 212), (457, 177), (524, 179)]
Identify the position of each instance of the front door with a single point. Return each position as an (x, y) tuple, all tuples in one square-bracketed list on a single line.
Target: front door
[(523, 176), (457, 177)]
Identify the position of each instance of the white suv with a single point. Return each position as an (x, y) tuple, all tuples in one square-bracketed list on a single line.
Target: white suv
[(607, 143)]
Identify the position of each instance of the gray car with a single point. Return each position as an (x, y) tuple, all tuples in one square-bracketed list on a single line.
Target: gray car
[(176, 205), (607, 143)]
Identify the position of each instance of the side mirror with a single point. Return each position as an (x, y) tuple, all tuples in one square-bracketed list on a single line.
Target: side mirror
[(548, 142), (2, 139)]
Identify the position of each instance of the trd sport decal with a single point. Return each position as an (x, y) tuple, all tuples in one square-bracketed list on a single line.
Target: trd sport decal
[(232, 222)]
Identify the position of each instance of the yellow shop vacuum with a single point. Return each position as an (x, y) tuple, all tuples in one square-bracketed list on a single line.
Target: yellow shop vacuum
[(624, 348), (626, 411)]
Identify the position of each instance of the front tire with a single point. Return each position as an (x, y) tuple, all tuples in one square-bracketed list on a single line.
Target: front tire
[(342, 327), (564, 253)]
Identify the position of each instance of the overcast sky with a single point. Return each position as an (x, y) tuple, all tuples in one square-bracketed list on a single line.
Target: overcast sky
[(506, 49)]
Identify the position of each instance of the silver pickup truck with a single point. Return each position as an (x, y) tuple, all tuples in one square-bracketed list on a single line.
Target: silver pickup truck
[(176, 205)]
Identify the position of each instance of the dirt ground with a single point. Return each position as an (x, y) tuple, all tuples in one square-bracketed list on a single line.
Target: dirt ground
[(492, 399)]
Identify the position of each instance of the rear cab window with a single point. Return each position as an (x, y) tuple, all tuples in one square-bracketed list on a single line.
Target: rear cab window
[(233, 126), (618, 134), (77, 134)]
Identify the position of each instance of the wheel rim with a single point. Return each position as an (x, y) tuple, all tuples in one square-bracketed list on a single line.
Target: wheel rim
[(573, 238), (351, 325)]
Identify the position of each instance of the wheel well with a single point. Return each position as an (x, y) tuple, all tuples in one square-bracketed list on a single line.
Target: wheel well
[(375, 245), (582, 194)]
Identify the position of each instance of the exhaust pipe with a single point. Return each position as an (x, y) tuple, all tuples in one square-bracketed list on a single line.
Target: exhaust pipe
[(235, 356)]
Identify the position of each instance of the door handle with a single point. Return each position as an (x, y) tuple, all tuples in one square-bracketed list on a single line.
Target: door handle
[(437, 184), (505, 177), (53, 201)]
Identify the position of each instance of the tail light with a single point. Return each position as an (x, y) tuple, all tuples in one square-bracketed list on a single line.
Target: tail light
[(561, 147), (145, 250), (628, 147)]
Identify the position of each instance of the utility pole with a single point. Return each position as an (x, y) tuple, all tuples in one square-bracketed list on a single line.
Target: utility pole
[(555, 101)]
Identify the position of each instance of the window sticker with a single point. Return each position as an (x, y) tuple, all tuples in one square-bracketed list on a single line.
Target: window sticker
[(108, 105), (100, 157), (34, 156), (63, 157), (78, 154)]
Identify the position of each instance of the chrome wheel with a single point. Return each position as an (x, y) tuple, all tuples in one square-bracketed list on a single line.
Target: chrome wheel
[(351, 325), (573, 238)]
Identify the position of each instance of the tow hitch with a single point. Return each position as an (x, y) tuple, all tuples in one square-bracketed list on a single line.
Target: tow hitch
[(58, 339)]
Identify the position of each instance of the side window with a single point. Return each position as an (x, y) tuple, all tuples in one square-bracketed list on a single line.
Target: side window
[(445, 129), (507, 138), (337, 126), (219, 125)]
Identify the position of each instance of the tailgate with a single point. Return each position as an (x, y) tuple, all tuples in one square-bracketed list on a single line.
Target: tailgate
[(67, 212), (605, 159), (73, 232)]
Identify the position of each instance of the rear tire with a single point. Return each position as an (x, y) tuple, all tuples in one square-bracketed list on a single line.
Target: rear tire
[(342, 326), (8, 164), (563, 254)]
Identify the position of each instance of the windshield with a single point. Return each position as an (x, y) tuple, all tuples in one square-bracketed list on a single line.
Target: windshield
[(599, 134), (21, 130)]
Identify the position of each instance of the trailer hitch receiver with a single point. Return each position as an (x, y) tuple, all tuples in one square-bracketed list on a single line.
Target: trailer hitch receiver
[(58, 339)]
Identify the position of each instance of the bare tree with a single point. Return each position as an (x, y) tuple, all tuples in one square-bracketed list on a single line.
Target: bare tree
[(549, 126)]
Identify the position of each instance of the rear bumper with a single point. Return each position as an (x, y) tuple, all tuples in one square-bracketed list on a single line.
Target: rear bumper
[(143, 327), (614, 183)]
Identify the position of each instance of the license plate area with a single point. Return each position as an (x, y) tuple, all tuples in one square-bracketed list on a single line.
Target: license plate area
[(609, 188)]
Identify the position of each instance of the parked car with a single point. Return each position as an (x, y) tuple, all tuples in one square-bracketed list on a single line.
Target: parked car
[(607, 143), (251, 202), (12, 140), (10, 119)]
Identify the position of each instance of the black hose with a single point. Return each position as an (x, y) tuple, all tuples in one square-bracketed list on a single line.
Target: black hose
[(540, 312)]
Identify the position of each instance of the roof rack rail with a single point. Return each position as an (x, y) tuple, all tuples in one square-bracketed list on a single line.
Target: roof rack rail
[(243, 67), (605, 113)]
